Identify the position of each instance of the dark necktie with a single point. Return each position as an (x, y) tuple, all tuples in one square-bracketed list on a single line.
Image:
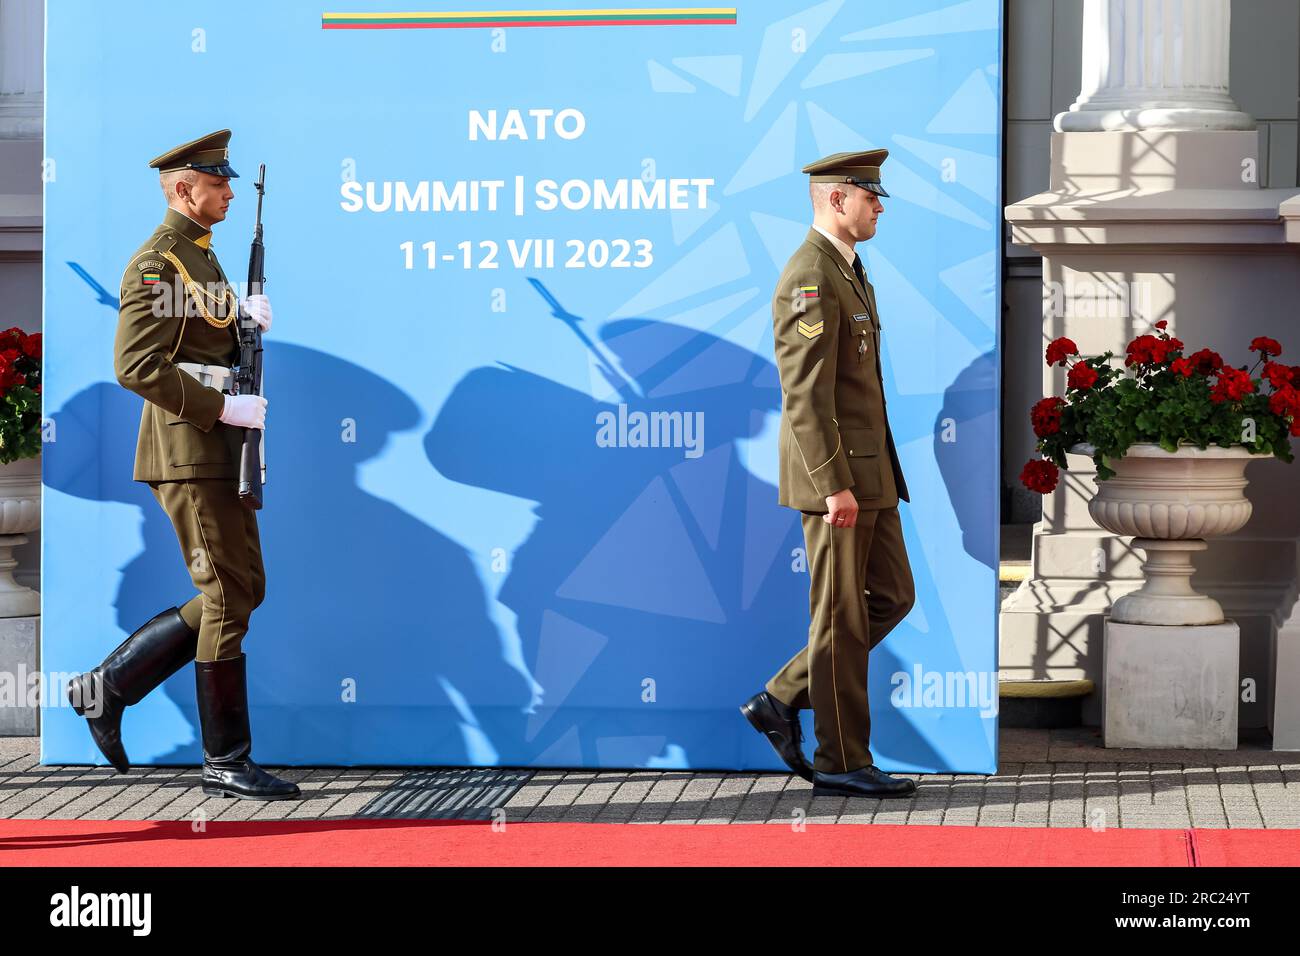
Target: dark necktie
[(862, 280), (859, 271)]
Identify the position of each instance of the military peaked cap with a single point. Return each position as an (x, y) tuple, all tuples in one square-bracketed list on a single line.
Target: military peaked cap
[(207, 154), (860, 169)]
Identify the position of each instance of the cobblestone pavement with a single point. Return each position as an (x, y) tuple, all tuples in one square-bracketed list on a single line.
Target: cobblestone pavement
[(1057, 778)]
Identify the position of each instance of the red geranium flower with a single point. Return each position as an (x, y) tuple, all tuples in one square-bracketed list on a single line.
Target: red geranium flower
[(32, 345), (1207, 361), (1139, 350), (1285, 401), (1150, 350), (1040, 475), (1081, 376), (1046, 416), (1163, 323), (1277, 373), (1059, 349), (1233, 385), (1183, 366), (1262, 343)]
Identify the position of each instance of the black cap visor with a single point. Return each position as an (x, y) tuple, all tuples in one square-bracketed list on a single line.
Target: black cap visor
[(871, 185), (222, 170)]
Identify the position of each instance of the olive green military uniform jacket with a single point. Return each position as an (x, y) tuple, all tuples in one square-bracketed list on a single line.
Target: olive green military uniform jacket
[(834, 429), (160, 324)]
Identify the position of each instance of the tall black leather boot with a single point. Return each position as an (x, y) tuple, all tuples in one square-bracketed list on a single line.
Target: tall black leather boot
[(228, 768), (159, 648)]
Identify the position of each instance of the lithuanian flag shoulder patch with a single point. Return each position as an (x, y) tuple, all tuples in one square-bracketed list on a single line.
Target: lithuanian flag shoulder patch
[(150, 270), (807, 291)]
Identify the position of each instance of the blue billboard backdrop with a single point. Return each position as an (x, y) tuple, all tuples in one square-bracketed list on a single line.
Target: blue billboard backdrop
[(521, 451)]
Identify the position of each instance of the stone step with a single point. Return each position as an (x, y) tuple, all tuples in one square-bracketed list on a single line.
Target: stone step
[(1042, 703)]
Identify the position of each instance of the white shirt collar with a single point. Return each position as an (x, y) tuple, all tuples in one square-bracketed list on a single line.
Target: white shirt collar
[(845, 249)]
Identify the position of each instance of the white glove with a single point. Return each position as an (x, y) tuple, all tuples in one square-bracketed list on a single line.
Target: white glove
[(246, 411), (259, 309)]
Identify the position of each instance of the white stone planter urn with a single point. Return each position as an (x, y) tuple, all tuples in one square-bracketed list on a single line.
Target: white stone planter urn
[(20, 513), (1171, 502)]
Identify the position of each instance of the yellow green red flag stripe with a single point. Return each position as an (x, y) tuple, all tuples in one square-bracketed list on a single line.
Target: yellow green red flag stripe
[(619, 16)]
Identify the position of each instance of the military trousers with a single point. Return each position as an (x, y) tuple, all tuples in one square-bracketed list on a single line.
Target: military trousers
[(223, 552), (860, 588)]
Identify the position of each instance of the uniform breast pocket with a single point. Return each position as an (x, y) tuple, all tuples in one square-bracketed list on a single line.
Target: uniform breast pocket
[(864, 344), (189, 445), (862, 446)]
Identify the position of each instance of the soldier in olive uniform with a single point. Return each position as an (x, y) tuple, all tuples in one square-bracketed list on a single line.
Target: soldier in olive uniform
[(839, 467), (177, 339)]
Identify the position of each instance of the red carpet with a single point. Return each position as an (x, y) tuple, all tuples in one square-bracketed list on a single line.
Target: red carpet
[(454, 843)]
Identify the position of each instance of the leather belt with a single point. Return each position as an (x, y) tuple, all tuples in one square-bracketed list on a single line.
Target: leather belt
[(219, 377)]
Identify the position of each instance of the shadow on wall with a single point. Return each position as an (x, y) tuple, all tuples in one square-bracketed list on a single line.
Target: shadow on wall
[(358, 590), (969, 419), (657, 590), (649, 571)]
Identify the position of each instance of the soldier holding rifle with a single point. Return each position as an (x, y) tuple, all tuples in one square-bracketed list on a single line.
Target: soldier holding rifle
[(181, 347)]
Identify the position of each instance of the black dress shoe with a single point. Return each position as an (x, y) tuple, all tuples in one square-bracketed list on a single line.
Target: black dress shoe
[(780, 725), (159, 648), (867, 781), (228, 768)]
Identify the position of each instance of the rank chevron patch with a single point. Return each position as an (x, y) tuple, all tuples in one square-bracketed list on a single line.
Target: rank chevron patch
[(810, 330)]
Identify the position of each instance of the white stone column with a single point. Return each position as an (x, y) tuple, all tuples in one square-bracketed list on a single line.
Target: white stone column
[(1154, 64), (22, 68), (1285, 663), (22, 55)]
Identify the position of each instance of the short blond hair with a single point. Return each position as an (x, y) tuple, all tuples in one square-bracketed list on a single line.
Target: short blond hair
[(169, 179), (820, 194)]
